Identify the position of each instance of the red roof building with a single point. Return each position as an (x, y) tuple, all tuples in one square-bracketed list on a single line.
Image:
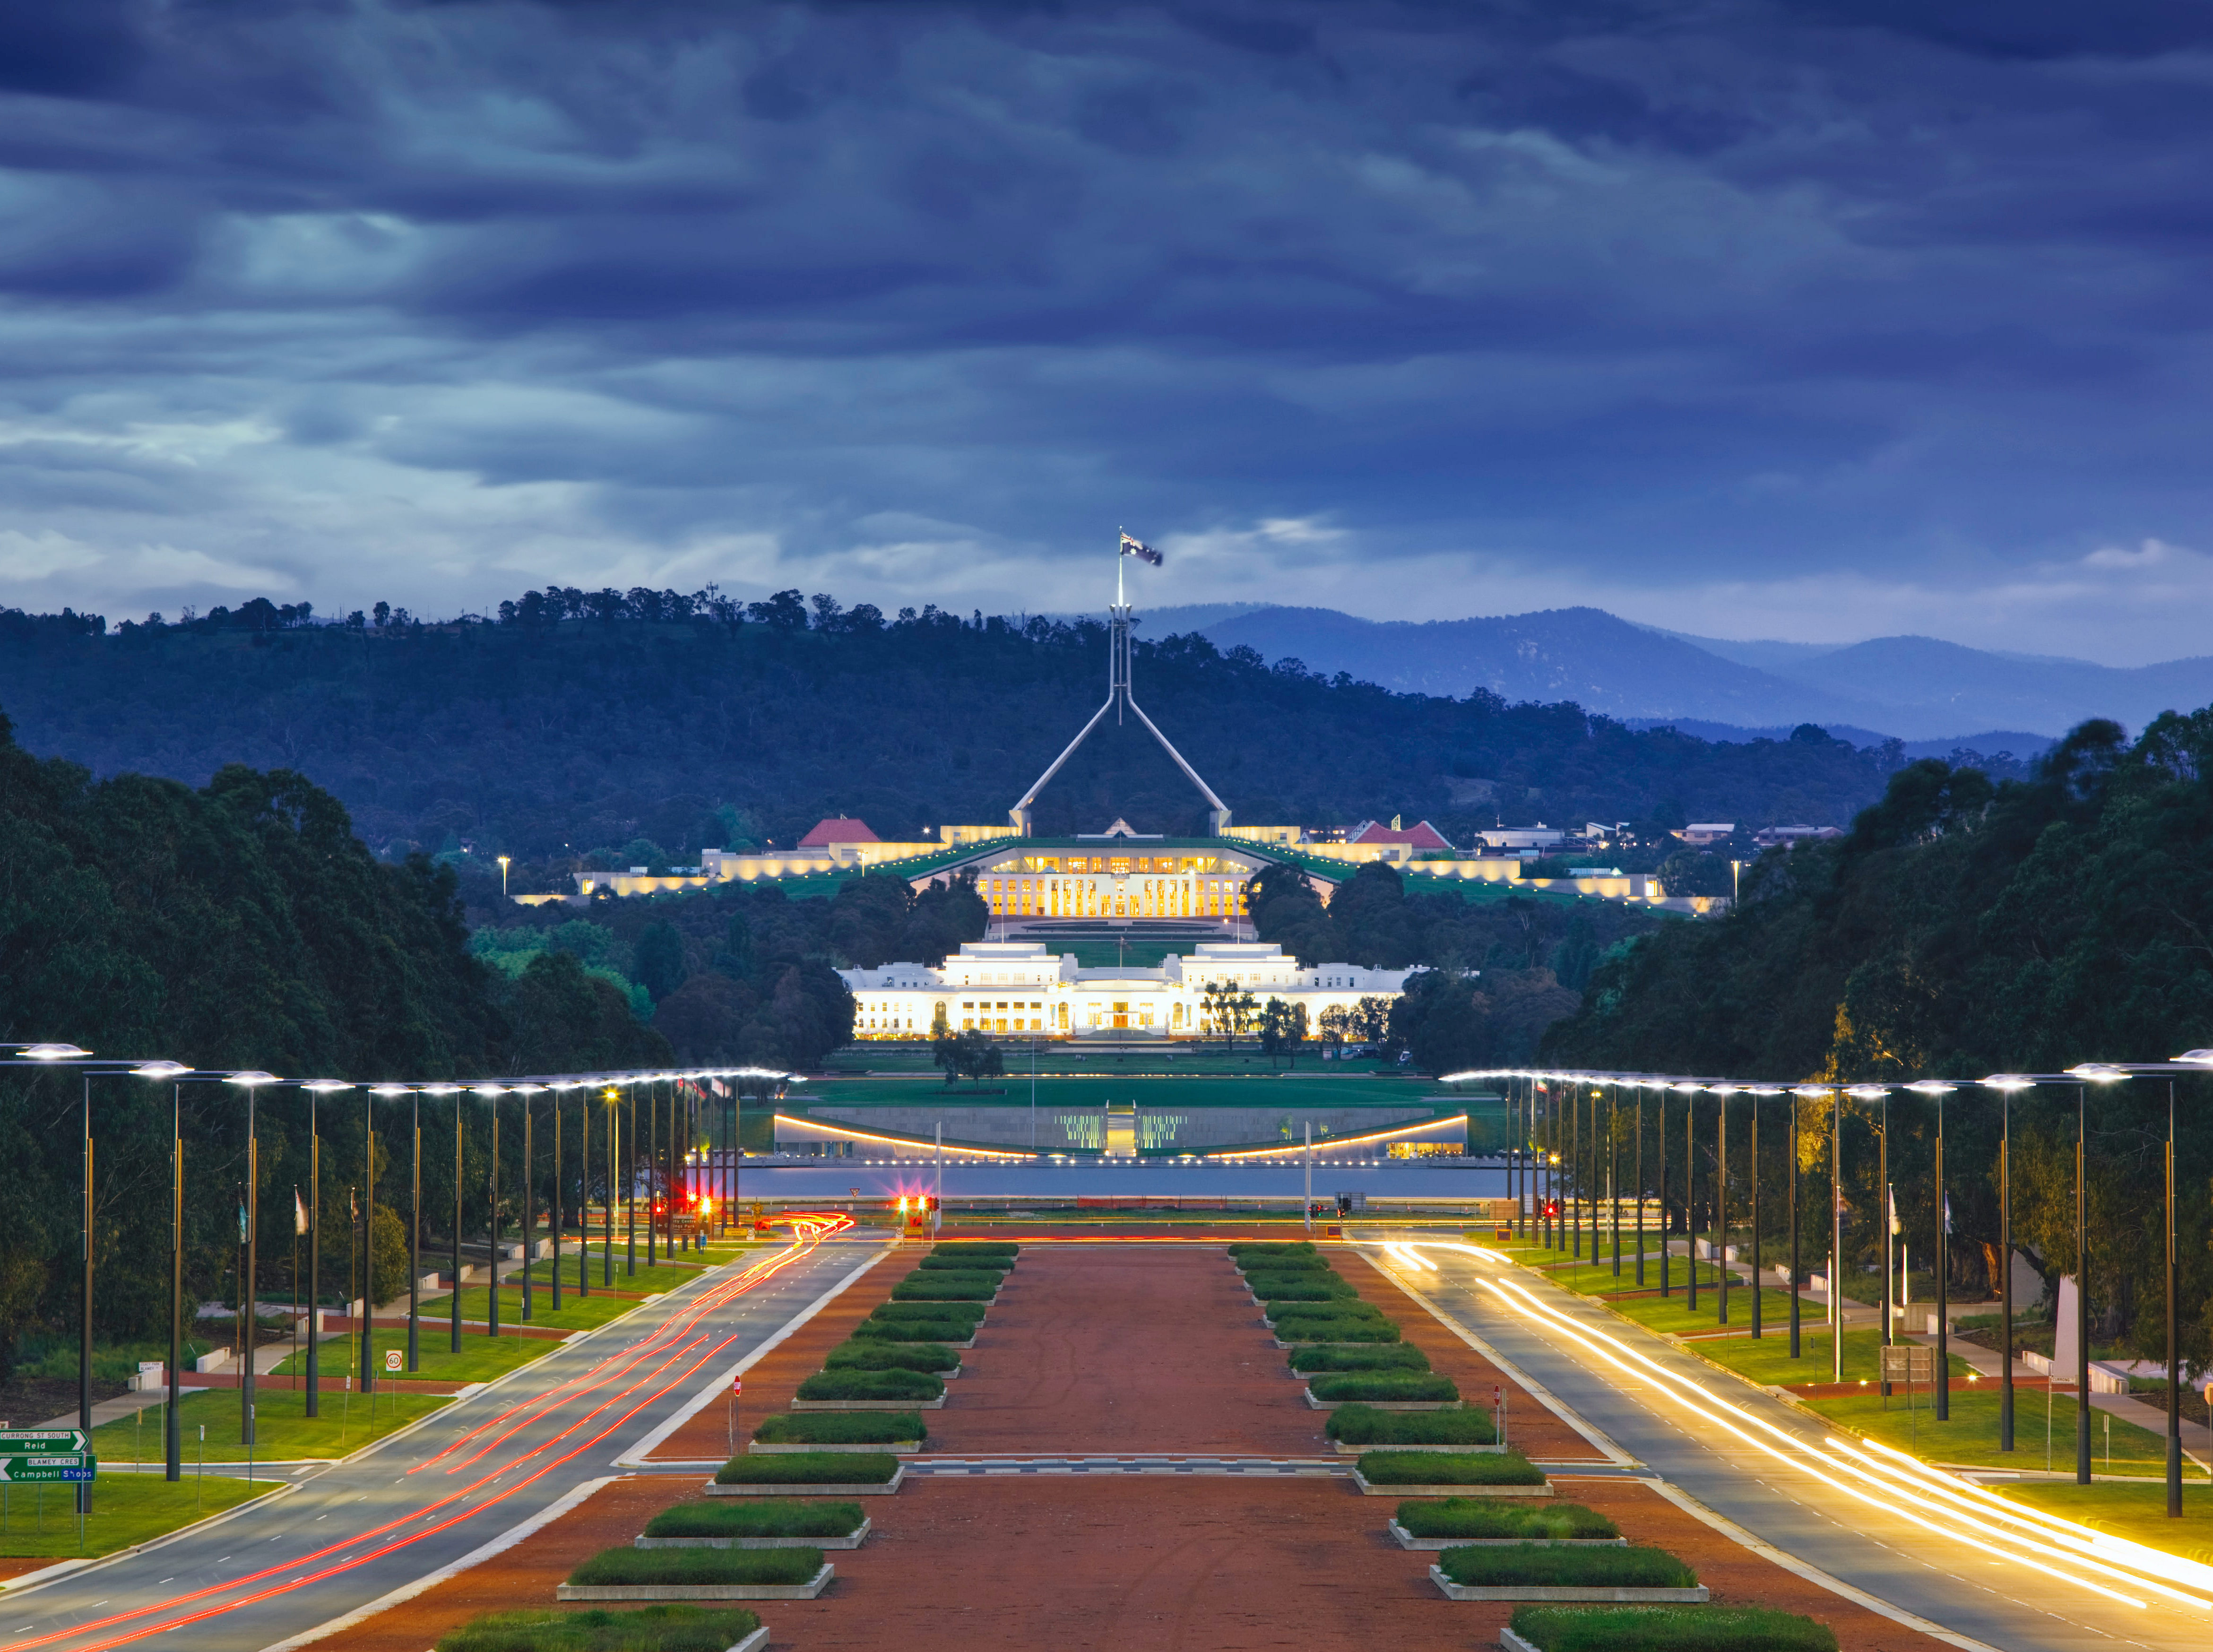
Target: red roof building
[(1421, 836), (839, 829)]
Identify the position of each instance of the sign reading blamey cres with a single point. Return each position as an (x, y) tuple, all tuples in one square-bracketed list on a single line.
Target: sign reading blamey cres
[(48, 1468)]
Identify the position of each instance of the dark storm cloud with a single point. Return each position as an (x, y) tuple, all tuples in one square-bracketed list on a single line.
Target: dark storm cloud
[(1793, 316)]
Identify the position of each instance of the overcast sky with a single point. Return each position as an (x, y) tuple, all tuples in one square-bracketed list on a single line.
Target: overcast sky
[(1808, 320)]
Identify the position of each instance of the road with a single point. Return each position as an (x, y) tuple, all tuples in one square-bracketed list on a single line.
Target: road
[(354, 1532), (1898, 1533)]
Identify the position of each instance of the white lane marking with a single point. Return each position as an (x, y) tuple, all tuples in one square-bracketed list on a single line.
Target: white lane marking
[(476, 1556)]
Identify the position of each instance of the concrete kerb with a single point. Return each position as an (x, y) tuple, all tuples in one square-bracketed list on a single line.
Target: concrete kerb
[(758, 1642), (1381, 1405), (813, 1489), (1434, 1544), (1621, 1596), (806, 1591), (1508, 1642), (852, 1540), (1369, 1489)]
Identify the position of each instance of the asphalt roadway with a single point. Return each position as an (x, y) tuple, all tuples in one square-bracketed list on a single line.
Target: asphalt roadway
[(1895, 1541), (404, 1510)]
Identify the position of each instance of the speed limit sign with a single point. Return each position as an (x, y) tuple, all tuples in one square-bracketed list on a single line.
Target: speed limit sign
[(392, 1359)]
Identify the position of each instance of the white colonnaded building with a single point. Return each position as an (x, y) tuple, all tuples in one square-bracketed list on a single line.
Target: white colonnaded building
[(1020, 987)]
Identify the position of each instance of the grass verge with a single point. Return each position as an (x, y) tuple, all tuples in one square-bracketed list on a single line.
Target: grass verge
[(1666, 1629), (37, 1521), (1494, 1517), (669, 1628), (481, 1359), (577, 1312), (348, 1422), (1971, 1435), (2137, 1513), (1768, 1360)]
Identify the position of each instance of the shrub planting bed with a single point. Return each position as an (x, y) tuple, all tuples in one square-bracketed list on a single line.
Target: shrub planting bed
[(1487, 1520), (1006, 1247), (1456, 1425), (1001, 1265), (846, 1473), (1285, 1316), (946, 1333), (1337, 1386), (649, 1628), (1386, 1357), (1376, 1332), (920, 1287), (782, 1523), (841, 1429), (899, 1313), (876, 1355), (711, 1574), (891, 1384), (1497, 1474), (1273, 1287), (1526, 1571), (1246, 1251), (1660, 1629)]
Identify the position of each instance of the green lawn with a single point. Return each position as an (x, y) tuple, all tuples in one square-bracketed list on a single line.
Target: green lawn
[(347, 1423), (1971, 1435), (1768, 1359), (577, 1312), (481, 1358), (1672, 1314), (2137, 1513), (1145, 1078), (661, 1276), (127, 1509)]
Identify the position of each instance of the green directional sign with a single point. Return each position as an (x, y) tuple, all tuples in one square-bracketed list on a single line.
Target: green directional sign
[(18, 1442), (56, 1466)]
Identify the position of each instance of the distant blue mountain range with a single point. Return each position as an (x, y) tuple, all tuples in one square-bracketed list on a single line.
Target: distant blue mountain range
[(1933, 694)]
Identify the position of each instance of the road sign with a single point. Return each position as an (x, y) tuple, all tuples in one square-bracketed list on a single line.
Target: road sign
[(1912, 1362), (17, 1443), (392, 1359), (737, 1386), (61, 1465)]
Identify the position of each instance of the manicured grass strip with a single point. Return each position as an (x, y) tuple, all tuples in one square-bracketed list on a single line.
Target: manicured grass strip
[(1302, 1288), (893, 1384), (628, 1565), (1444, 1468), (577, 1312), (1768, 1359), (1390, 1356), (1349, 1331), (348, 1422), (777, 1517), (2137, 1513), (895, 1332), (481, 1358), (1672, 1314), (1632, 1568), (1383, 1384), (975, 1247), (1666, 1629), (1347, 1311), (1364, 1425), (127, 1509), (1970, 1436), (1001, 1265), (841, 1428), (661, 1276), (661, 1628), (880, 1355), (972, 1311), (1250, 1266), (947, 1287), (809, 1468), (1251, 1249), (1496, 1517)]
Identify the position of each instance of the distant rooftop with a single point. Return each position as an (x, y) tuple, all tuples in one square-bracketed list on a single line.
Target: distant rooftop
[(837, 829)]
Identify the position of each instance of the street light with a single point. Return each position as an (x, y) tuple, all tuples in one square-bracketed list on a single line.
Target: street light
[(2005, 1084), (316, 1088), (1689, 1091), (1814, 1093), (1722, 1093), (1881, 1093), (454, 1303), (414, 1225), (492, 1093), (502, 860), (1936, 1090), (529, 1211), (250, 1080)]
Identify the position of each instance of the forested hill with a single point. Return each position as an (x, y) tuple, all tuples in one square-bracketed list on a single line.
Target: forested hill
[(704, 725)]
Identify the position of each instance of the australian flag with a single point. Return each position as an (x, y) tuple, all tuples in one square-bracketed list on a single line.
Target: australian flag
[(1134, 548)]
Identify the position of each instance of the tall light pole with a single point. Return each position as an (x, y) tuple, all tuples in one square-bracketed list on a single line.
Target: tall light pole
[(1880, 1094), (1800, 1092), (250, 1081), (1637, 1123), (1836, 1235), (502, 860), (1756, 1091), (492, 1093), (1660, 1134), (454, 1303), (1722, 1093), (529, 1196), (172, 1431), (368, 1246), (1936, 1090), (2005, 1084), (1689, 1094)]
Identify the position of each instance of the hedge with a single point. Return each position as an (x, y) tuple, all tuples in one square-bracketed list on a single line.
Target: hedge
[(975, 1247), (1302, 1288), (1362, 1331), (810, 1468), (1446, 1468), (1391, 1356), (1383, 1385), (1336, 1307), (947, 1287), (910, 1333), (881, 1355), (1495, 1517), (892, 1384), (1248, 1248), (1632, 1568), (970, 1311), (633, 1566), (1364, 1425), (841, 1428), (999, 1265), (770, 1517), (1251, 1264), (648, 1629), (1666, 1629)]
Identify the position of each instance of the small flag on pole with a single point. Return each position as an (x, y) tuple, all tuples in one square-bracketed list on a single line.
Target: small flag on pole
[(299, 1213), (1135, 548)]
